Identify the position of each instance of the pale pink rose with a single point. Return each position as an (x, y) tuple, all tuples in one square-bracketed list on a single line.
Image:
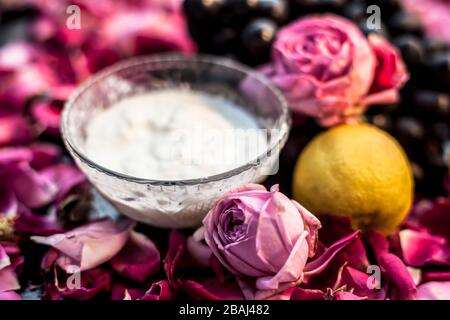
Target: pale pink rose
[(261, 235)]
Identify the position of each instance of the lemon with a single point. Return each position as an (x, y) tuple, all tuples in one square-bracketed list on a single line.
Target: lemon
[(357, 171)]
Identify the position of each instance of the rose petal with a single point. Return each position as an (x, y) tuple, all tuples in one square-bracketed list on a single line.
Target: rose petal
[(92, 283), (8, 279), (160, 290), (10, 295), (138, 260), (307, 294), (343, 295), (321, 262), (44, 155), (90, 245), (15, 130)]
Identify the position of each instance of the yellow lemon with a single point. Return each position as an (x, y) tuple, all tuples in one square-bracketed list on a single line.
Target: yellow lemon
[(357, 171)]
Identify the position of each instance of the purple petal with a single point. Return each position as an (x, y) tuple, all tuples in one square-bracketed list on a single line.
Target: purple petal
[(90, 245), (138, 260)]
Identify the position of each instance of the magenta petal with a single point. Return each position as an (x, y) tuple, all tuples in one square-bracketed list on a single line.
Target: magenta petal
[(175, 253), (4, 258), (307, 294), (92, 283), (435, 276), (160, 290), (138, 260), (15, 130), (434, 291), (343, 295), (433, 217), (8, 204), (29, 223), (120, 292), (44, 155), (212, 289), (8, 279), (90, 245), (321, 262), (401, 283), (48, 116), (357, 281), (30, 187), (64, 177), (420, 248), (10, 295)]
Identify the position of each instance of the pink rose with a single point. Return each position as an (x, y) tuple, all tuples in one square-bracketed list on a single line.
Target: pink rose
[(326, 68), (263, 236)]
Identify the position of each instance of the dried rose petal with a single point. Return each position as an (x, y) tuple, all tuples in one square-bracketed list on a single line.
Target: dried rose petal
[(400, 284), (434, 291), (212, 289), (15, 130), (160, 290), (48, 116), (44, 155), (307, 294), (138, 260), (345, 295), (89, 246), (10, 295), (92, 282), (10, 260), (29, 223)]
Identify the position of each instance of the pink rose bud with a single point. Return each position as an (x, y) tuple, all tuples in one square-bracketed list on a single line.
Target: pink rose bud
[(262, 235)]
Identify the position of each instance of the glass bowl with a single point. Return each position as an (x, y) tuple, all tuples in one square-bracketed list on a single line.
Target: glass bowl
[(179, 203)]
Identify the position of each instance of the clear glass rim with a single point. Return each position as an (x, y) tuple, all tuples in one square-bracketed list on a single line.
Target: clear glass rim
[(284, 118)]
